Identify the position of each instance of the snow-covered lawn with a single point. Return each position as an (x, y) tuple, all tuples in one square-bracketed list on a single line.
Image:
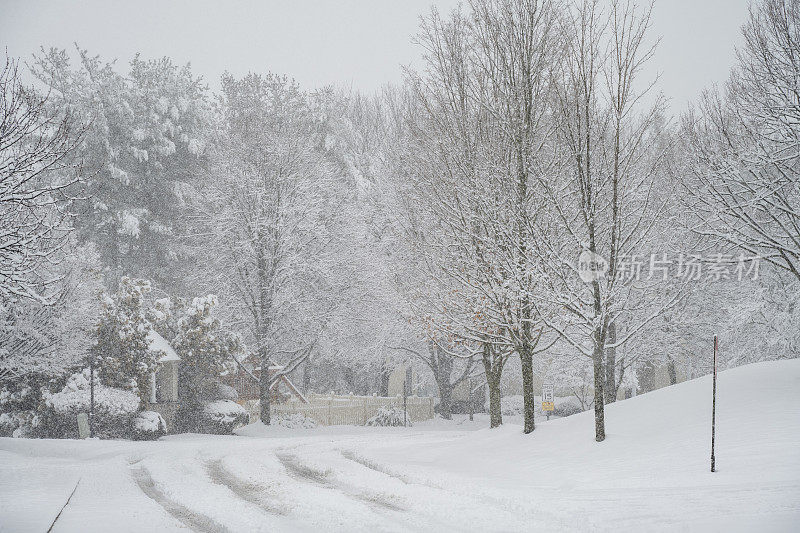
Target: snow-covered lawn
[(652, 473)]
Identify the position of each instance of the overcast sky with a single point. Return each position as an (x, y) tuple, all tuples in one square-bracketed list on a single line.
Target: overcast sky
[(352, 43)]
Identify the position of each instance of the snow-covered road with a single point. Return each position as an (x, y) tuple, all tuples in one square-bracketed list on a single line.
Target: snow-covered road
[(650, 474), (312, 483)]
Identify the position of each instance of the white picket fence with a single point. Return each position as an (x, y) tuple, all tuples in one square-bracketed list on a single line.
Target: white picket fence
[(332, 409)]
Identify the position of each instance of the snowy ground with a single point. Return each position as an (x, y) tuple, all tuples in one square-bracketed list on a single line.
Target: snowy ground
[(650, 474)]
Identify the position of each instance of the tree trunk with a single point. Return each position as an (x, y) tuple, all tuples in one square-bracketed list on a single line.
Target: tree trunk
[(446, 400), (673, 373), (495, 413), (262, 331), (264, 393), (470, 400), (599, 381), (445, 371), (493, 373), (350, 380), (647, 377), (528, 398), (383, 386), (306, 384), (611, 365)]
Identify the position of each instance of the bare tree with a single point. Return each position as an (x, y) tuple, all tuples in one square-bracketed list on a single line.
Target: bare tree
[(36, 170), (482, 135), (604, 205), (264, 222), (745, 149), (517, 43)]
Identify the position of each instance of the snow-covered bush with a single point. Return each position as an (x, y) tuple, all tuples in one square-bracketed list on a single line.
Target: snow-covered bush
[(294, 421), (15, 398), (213, 389), (18, 401), (388, 416), (114, 409), (567, 407), (149, 425), (512, 405), (221, 417), (226, 392), (18, 423)]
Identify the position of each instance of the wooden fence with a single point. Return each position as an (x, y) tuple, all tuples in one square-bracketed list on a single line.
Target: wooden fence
[(331, 409)]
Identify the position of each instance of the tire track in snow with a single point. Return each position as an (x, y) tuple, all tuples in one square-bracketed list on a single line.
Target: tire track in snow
[(350, 455), (323, 479), (479, 496), (251, 492), (195, 521)]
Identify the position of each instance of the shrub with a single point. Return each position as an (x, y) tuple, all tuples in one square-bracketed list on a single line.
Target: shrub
[(149, 425), (221, 417), (16, 398), (294, 421), (17, 410), (226, 392), (564, 406), (567, 407), (388, 416), (114, 409), (512, 405), (213, 389), (18, 423), (190, 416)]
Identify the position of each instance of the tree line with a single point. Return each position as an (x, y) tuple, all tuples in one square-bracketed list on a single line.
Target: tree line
[(448, 221)]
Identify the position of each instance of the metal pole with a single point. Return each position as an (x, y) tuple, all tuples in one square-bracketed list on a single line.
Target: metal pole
[(91, 396), (405, 405), (714, 405), (407, 385)]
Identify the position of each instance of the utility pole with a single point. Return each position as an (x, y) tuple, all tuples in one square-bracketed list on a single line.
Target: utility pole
[(714, 405)]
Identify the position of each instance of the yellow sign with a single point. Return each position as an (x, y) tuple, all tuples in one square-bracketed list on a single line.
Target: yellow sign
[(548, 406)]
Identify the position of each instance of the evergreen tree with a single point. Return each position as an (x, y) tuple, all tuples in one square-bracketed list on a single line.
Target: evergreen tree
[(122, 351), (143, 148)]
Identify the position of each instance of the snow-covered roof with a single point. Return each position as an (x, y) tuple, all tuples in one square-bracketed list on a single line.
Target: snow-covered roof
[(159, 343), (273, 368)]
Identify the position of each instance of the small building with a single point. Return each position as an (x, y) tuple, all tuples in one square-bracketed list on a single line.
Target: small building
[(163, 397), (403, 376)]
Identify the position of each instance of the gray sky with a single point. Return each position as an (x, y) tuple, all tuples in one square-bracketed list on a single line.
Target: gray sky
[(353, 43)]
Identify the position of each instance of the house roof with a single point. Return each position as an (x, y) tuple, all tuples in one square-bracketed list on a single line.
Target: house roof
[(160, 344), (294, 390)]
